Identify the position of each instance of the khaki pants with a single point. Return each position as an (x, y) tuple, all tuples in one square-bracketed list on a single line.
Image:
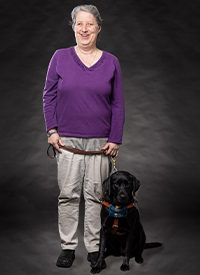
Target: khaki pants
[(74, 173)]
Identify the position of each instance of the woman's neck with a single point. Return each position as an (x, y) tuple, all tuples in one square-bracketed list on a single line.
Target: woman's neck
[(86, 50)]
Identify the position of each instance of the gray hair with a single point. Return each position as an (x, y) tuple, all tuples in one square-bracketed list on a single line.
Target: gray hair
[(88, 8)]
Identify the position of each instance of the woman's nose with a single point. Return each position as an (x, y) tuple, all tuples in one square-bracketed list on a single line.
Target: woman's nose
[(84, 27)]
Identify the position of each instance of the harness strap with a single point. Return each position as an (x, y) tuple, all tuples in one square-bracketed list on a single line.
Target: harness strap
[(107, 204), (115, 228), (115, 225)]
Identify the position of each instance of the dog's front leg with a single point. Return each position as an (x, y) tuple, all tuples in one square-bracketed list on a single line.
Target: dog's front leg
[(100, 264), (129, 241), (127, 253), (125, 264)]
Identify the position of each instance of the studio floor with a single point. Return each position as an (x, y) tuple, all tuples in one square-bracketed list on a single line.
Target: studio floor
[(30, 245)]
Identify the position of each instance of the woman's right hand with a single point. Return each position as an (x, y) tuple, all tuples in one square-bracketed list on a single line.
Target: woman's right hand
[(54, 139)]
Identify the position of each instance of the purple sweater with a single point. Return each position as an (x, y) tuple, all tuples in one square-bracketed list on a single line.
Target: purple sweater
[(81, 101)]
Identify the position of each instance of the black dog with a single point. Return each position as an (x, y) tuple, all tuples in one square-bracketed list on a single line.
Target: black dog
[(121, 232)]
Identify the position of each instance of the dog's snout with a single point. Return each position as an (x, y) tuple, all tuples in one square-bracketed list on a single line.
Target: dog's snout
[(123, 195)]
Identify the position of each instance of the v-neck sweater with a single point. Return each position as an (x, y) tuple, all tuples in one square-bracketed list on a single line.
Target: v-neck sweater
[(83, 101)]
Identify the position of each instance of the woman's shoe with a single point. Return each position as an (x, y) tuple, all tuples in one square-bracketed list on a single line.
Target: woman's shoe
[(66, 258)]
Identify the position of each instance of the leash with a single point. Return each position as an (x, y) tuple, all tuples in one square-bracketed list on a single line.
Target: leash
[(73, 150), (114, 169)]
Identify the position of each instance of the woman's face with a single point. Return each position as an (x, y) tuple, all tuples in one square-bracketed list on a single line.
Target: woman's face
[(86, 29)]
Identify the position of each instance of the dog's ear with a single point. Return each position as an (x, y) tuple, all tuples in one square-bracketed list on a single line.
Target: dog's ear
[(136, 184), (107, 187)]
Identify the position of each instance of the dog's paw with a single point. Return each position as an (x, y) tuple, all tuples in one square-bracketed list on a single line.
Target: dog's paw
[(124, 267), (98, 267), (139, 259), (95, 270)]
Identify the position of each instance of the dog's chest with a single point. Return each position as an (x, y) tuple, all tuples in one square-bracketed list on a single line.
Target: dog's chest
[(117, 219), (118, 212), (120, 226)]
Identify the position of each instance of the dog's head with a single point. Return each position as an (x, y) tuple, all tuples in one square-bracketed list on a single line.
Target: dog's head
[(120, 188)]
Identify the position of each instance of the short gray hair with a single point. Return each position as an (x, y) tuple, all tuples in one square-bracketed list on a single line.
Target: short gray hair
[(88, 8)]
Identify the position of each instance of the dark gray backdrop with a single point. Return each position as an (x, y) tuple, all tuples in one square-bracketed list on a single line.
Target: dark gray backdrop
[(157, 44)]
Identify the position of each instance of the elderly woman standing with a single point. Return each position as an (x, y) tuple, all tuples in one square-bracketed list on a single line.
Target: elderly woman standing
[(83, 108)]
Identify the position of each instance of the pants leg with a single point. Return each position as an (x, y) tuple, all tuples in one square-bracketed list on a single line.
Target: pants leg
[(70, 179), (75, 171), (96, 171)]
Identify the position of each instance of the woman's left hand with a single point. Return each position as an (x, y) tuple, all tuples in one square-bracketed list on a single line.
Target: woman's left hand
[(112, 149)]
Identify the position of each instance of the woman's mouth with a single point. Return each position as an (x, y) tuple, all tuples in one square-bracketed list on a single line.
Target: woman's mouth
[(85, 35)]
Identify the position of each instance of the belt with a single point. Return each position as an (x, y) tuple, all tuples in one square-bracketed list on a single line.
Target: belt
[(73, 150)]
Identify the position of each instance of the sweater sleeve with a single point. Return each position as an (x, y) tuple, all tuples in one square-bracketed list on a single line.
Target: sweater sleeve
[(50, 94), (117, 107)]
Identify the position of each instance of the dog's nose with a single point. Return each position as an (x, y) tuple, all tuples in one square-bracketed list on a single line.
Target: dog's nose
[(122, 195)]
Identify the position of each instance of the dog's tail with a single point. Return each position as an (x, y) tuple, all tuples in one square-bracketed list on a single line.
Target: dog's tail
[(152, 245)]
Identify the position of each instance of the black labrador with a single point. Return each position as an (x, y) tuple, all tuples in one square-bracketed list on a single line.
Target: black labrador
[(121, 232)]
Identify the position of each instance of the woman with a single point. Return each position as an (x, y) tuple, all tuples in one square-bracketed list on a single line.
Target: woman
[(83, 108)]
